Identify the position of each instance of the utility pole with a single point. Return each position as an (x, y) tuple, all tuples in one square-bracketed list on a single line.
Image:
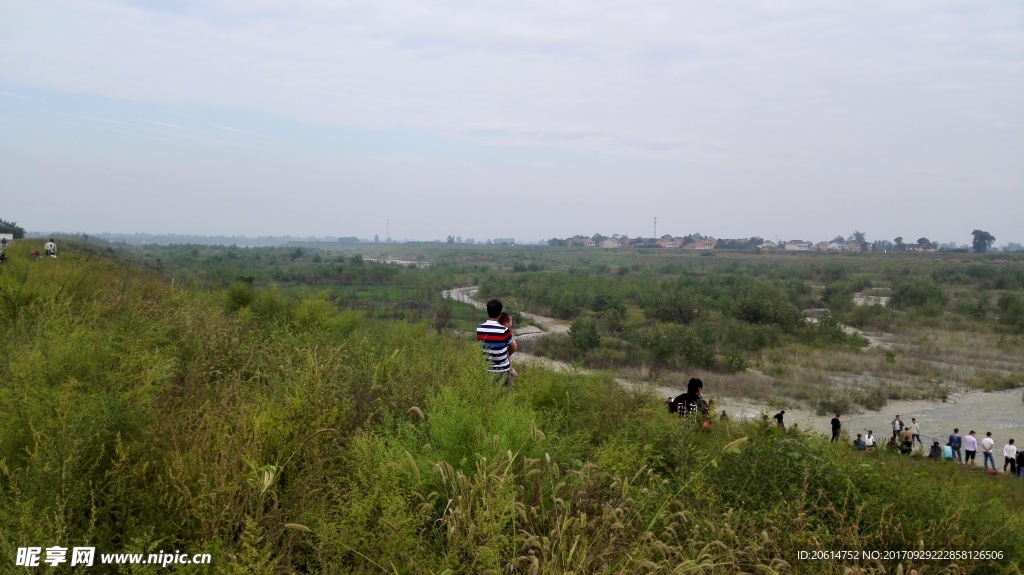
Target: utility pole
[(655, 227), (387, 231)]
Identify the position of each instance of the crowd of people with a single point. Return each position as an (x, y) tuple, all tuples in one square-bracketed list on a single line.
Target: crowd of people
[(960, 448)]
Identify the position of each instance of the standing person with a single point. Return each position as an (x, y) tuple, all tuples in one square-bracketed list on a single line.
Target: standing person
[(779, 417), (869, 441), (955, 443), (50, 248), (1020, 464), (897, 426), (987, 445), (915, 431), (497, 342), (970, 448), (836, 426), (1010, 455), (505, 319)]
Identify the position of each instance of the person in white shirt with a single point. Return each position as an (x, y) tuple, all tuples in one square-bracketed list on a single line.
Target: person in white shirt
[(915, 431), (970, 448), (50, 248), (869, 441), (987, 445), (1010, 453)]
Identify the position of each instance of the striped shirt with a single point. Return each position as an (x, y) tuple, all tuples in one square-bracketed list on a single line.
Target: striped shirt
[(495, 339)]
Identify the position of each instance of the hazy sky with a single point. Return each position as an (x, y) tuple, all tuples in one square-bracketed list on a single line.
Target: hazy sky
[(530, 119)]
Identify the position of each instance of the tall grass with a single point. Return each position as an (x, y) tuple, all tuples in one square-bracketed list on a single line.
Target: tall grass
[(284, 436)]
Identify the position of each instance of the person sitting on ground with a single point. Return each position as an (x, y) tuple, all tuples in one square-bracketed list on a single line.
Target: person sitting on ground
[(869, 441), (671, 404), (50, 248), (936, 452), (859, 443), (505, 319)]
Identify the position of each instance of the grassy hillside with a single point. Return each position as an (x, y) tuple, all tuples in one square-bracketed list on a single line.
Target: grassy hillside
[(281, 435)]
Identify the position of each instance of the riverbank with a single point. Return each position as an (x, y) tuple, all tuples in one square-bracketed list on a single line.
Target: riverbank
[(1001, 412)]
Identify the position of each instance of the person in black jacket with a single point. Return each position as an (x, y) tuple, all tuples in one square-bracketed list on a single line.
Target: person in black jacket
[(836, 426), (692, 401)]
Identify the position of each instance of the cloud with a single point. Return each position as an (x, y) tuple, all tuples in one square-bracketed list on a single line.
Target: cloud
[(13, 95), (799, 100)]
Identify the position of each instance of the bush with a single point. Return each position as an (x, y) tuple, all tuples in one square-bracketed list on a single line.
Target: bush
[(919, 293), (583, 334)]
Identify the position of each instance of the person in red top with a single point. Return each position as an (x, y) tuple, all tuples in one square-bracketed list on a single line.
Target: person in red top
[(497, 343)]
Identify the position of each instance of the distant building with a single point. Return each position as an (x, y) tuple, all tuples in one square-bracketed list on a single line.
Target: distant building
[(701, 245), (798, 245), (611, 243)]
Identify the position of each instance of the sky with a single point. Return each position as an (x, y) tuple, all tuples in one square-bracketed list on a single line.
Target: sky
[(786, 119)]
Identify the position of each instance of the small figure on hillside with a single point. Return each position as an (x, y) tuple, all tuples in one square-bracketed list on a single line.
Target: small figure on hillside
[(936, 452), (836, 426), (3, 250), (869, 441), (723, 417), (505, 319), (692, 401), (779, 419), (50, 248), (497, 343), (1010, 455), (987, 445), (955, 442), (970, 448), (915, 431), (897, 426), (859, 443)]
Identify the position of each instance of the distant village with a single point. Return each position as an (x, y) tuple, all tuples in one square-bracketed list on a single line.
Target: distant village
[(854, 243)]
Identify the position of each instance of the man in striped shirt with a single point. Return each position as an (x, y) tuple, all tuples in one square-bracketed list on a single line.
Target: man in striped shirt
[(498, 343)]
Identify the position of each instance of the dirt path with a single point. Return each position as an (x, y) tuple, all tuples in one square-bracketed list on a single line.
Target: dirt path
[(1001, 412)]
